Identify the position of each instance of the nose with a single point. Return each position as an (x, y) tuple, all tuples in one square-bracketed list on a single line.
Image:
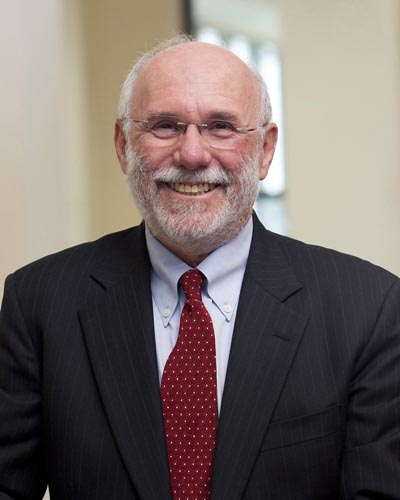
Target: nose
[(191, 150)]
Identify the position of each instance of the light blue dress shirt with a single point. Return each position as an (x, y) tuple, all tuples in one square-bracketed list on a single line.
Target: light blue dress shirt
[(224, 269)]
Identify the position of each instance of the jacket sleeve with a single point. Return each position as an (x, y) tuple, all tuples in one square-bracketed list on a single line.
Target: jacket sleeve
[(21, 458), (371, 460)]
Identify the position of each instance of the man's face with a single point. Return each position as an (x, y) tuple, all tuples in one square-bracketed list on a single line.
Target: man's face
[(192, 192)]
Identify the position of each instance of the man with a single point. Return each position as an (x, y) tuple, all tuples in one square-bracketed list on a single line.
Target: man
[(281, 381)]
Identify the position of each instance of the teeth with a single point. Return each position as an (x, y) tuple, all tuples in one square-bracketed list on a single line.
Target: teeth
[(192, 188)]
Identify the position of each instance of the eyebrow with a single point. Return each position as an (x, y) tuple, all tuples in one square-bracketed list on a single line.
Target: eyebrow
[(161, 114), (223, 115), (214, 115)]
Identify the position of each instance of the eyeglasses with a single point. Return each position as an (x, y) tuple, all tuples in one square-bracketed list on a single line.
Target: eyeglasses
[(217, 133)]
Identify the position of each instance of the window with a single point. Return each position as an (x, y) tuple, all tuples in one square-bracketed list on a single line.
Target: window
[(250, 41)]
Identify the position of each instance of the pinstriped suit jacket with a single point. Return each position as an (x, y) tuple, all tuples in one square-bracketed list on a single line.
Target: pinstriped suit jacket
[(311, 406)]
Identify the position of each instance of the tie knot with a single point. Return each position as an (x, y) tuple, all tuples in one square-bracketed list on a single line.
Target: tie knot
[(191, 283)]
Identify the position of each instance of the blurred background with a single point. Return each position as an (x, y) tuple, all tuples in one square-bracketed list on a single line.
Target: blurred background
[(333, 69)]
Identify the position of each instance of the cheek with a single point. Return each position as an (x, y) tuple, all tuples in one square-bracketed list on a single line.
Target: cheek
[(154, 161), (229, 159), (234, 160), (155, 157)]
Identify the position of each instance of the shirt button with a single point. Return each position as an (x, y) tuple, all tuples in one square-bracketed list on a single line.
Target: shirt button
[(227, 308), (166, 313)]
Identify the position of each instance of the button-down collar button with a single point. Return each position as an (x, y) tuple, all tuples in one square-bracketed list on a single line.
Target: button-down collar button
[(166, 313), (227, 308)]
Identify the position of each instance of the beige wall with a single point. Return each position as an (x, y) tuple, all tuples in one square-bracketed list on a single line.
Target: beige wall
[(63, 62), (41, 174), (114, 34), (342, 99)]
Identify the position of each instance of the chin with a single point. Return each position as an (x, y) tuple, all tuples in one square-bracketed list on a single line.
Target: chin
[(200, 231), (198, 224)]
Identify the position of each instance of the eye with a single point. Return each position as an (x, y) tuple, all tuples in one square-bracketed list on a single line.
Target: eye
[(164, 128), (221, 128)]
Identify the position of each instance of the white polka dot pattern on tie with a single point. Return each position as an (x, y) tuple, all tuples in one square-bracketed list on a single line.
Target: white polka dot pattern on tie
[(189, 397)]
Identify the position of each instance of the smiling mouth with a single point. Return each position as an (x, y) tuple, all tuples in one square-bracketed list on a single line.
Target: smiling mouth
[(192, 189)]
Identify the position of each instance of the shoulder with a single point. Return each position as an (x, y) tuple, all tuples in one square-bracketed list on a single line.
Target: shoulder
[(72, 263), (344, 296), (331, 264), (325, 271)]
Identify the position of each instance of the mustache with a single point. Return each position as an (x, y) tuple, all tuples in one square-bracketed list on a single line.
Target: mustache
[(209, 175)]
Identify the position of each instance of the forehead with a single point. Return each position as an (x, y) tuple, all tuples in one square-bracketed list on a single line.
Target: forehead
[(196, 80)]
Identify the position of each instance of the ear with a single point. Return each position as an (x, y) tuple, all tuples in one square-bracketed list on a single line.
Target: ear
[(120, 145), (269, 145)]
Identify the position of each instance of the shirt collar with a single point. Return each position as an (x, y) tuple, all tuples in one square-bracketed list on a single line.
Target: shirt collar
[(224, 269)]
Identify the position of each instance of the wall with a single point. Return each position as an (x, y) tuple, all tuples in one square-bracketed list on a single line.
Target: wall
[(115, 32), (42, 175), (63, 62), (342, 80)]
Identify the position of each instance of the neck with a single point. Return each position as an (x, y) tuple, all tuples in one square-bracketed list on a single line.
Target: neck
[(189, 256)]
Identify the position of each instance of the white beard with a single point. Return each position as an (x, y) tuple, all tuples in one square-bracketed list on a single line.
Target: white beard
[(187, 224)]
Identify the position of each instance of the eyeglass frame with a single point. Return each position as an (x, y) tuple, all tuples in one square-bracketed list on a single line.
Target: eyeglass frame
[(182, 126)]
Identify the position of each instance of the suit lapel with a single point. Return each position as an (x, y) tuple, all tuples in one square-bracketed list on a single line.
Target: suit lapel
[(266, 336), (119, 334)]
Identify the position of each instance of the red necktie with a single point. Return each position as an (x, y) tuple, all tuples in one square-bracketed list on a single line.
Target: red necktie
[(189, 397)]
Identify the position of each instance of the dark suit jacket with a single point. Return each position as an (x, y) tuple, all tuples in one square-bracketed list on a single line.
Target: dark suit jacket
[(311, 406)]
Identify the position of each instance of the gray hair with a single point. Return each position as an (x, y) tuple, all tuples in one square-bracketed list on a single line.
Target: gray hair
[(126, 100)]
